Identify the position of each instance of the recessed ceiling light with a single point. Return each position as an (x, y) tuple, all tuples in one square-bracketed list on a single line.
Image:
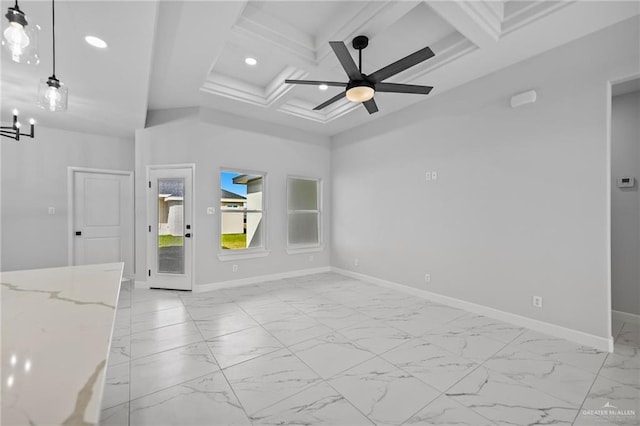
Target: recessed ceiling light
[(96, 42), (250, 61), (323, 87)]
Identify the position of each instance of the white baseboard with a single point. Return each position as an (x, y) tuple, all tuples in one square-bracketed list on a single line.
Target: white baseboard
[(580, 337), (625, 317), (258, 279), (142, 284)]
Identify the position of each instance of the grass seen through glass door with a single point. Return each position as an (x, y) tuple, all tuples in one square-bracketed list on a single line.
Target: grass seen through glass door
[(170, 241)]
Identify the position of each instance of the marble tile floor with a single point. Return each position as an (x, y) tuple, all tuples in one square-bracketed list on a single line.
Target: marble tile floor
[(326, 349)]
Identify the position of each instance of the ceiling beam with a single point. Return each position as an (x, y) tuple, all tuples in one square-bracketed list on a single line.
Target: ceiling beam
[(478, 21), (189, 38)]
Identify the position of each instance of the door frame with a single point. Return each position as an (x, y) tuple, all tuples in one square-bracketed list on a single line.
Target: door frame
[(71, 173), (609, 166), (149, 242)]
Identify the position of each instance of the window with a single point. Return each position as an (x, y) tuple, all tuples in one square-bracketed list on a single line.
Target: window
[(241, 211), (303, 211)]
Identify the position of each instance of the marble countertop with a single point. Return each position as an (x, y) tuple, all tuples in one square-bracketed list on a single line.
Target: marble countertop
[(56, 333)]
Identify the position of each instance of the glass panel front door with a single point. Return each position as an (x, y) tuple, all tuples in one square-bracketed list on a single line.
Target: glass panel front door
[(171, 229)]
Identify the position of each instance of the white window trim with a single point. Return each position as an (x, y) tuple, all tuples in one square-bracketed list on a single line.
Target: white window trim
[(247, 253), (241, 254), (306, 248)]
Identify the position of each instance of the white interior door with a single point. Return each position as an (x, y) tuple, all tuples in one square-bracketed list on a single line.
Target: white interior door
[(102, 219), (170, 242)]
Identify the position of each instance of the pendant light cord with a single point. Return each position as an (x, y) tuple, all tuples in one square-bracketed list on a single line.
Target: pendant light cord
[(53, 17)]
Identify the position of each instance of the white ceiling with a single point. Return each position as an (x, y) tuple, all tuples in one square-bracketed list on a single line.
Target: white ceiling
[(173, 54)]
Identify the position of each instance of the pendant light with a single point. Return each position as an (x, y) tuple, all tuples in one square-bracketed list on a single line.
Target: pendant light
[(20, 39), (52, 95)]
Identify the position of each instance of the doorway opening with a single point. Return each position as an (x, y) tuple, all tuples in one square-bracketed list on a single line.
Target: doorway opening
[(624, 134)]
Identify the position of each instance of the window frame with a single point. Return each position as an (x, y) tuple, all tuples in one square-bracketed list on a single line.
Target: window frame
[(225, 255), (313, 247)]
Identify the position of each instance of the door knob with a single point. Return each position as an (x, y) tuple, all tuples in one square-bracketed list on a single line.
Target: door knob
[(188, 235), (78, 233)]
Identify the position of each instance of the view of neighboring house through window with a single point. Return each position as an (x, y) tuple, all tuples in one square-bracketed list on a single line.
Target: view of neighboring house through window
[(241, 208), (303, 208)]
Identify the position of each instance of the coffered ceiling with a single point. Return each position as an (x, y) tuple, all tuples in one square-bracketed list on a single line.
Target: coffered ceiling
[(175, 54), (290, 39)]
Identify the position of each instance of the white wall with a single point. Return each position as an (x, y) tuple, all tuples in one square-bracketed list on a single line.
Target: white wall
[(34, 178), (520, 205), (625, 204), (214, 141)]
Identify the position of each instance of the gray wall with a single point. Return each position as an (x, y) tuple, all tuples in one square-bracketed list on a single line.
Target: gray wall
[(625, 204), (520, 204), (34, 178), (215, 140)]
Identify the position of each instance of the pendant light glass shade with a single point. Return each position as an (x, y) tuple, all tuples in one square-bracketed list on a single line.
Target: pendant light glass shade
[(19, 39), (52, 95)]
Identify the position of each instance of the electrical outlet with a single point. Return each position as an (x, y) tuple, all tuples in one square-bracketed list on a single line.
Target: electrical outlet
[(537, 301), (356, 262), (211, 210), (434, 175), (234, 268), (311, 258), (52, 210), (427, 278)]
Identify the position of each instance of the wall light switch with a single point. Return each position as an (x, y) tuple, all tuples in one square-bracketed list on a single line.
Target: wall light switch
[(428, 176), (234, 268), (52, 210), (211, 210)]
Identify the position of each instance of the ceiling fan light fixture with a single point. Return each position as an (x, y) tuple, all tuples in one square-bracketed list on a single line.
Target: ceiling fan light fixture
[(360, 91)]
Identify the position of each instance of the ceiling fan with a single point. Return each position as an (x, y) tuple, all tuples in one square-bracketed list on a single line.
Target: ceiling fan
[(361, 87)]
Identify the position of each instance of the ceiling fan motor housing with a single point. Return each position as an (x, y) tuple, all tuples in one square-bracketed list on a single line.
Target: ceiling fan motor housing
[(359, 83), (360, 42)]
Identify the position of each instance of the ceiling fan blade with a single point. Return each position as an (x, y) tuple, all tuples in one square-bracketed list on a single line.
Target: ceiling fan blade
[(330, 101), (350, 67), (403, 88), (401, 65), (316, 83), (371, 106)]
